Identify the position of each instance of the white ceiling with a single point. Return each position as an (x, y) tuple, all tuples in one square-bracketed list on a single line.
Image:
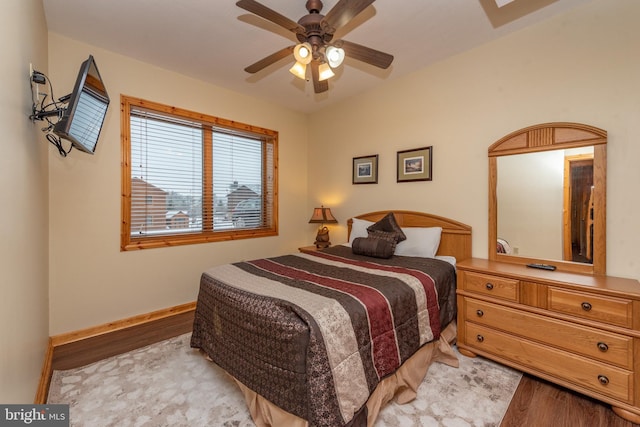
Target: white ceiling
[(214, 40)]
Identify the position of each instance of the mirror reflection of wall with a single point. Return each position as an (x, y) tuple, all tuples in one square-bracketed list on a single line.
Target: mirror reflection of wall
[(531, 191)]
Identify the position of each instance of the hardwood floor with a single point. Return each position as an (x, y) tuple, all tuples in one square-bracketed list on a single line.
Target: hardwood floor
[(538, 403)]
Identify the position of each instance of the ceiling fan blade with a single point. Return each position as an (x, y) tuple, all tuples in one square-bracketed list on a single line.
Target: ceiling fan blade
[(270, 15), (318, 86), (344, 11), (366, 54), (274, 57)]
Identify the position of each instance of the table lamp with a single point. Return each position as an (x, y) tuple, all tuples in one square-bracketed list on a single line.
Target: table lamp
[(322, 216)]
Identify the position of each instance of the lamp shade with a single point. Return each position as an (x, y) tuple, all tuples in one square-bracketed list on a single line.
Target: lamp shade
[(303, 53), (335, 56), (322, 215), (299, 70), (325, 72)]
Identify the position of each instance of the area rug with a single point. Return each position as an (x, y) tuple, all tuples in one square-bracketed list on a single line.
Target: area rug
[(171, 384)]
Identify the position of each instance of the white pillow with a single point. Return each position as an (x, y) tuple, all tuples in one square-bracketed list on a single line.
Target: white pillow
[(359, 229), (421, 242)]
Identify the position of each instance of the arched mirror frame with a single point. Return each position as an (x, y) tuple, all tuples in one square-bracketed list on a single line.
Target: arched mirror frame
[(545, 137)]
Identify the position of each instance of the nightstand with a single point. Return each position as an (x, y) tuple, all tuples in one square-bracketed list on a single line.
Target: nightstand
[(311, 248)]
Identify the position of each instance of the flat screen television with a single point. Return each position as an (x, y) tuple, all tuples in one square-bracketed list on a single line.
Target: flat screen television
[(83, 118)]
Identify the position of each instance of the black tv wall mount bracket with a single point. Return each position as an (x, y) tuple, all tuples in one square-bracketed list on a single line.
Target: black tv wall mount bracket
[(41, 113)]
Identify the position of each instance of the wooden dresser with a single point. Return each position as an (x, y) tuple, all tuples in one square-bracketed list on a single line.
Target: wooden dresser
[(579, 331)]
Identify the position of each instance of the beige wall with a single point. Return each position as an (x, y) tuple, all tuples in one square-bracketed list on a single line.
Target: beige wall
[(581, 67), (91, 281), (23, 190)]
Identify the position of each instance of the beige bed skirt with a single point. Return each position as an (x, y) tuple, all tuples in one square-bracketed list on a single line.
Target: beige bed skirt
[(401, 386)]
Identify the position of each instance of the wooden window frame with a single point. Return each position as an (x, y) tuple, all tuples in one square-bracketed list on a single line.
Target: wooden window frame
[(207, 234)]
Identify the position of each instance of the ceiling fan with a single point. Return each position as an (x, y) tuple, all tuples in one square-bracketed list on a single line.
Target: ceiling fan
[(315, 33)]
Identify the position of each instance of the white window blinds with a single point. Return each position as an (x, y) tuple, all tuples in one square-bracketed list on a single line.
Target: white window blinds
[(196, 177)]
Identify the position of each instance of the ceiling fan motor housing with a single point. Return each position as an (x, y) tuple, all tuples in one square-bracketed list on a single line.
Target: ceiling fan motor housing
[(315, 33)]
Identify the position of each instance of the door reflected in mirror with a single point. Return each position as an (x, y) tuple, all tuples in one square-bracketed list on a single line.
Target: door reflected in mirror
[(545, 204)]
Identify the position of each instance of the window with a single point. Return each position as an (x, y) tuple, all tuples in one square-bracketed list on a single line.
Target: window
[(192, 178)]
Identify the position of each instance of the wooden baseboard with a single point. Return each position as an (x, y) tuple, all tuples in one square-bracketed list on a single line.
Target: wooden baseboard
[(45, 376), (79, 348)]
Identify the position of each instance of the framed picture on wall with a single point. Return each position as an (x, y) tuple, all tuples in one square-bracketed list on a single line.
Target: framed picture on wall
[(365, 170), (415, 164)]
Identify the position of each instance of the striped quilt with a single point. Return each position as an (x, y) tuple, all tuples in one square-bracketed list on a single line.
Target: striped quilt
[(315, 333)]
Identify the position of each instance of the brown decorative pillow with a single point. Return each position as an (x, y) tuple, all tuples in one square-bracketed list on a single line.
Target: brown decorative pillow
[(389, 224), (377, 248), (384, 235)]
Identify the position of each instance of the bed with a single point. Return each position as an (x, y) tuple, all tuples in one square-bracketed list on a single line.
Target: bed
[(327, 338)]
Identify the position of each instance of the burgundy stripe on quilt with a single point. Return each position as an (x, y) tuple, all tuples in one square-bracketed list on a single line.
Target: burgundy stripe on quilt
[(385, 349), (427, 283)]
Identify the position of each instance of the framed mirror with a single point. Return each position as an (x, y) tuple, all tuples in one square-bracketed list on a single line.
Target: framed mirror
[(547, 197)]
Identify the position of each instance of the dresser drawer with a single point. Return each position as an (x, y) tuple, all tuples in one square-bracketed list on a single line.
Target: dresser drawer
[(608, 347), (597, 376), (614, 311), (498, 287)]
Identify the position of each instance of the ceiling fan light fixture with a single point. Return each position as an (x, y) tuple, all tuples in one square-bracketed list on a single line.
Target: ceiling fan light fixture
[(299, 70), (314, 33), (334, 55), (324, 72), (303, 53)]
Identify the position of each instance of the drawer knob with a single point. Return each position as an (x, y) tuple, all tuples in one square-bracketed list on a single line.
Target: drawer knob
[(603, 346), (480, 313), (489, 286), (480, 338), (603, 379), (586, 306)]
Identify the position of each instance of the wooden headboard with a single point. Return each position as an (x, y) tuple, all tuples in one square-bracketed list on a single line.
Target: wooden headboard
[(456, 237)]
